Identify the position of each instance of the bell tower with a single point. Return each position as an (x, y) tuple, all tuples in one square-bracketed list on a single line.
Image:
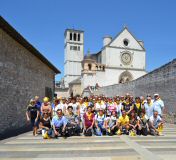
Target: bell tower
[(74, 54)]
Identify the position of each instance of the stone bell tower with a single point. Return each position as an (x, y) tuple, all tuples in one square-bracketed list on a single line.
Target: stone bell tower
[(74, 54)]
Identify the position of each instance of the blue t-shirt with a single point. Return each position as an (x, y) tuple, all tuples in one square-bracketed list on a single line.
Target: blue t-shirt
[(58, 122)]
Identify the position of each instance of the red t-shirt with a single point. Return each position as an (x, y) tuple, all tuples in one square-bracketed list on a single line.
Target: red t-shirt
[(88, 119)]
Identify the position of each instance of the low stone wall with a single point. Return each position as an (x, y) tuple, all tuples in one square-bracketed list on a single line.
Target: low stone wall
[(161, 80)]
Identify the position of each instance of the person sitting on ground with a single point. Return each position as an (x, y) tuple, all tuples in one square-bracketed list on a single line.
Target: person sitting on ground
[(46, 107), (32, 115), (89, 121), (143, 124), (133, 123), (155, 122), (111, 124), (100, 123), (59, 123), (73, 127), (123, 123), (45, 125)]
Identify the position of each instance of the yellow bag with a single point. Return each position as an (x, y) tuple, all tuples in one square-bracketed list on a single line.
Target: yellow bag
[(160, 129), (132, 133), (119, 132), (45, 136)]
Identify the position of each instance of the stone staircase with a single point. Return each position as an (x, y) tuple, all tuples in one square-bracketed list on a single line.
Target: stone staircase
[(26, 147)]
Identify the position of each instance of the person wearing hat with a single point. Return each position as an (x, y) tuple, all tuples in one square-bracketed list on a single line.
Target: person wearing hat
[(158, 104), (100, 123), (99, 104), (32, 115), (149, 107), (46, 106)]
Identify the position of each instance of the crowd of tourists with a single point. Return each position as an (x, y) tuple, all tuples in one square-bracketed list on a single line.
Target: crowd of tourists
[(96, 115)]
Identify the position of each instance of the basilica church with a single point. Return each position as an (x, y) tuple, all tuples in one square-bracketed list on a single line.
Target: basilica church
[(121, 59)]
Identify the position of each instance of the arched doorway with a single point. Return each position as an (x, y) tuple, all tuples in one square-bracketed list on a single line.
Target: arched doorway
[(125, 77)]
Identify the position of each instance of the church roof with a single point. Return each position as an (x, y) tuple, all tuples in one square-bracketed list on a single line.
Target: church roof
[(4, 25), (131, 35)]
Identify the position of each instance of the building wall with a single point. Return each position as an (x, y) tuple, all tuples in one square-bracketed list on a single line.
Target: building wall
[(22, 76), (75, 89), (113, 58), (161, 80)]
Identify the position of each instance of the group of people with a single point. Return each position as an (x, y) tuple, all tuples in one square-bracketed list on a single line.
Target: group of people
[(96, 115)]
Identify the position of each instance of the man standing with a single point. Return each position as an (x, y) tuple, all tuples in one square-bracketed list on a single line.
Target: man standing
[(149, 107), (158, 104)]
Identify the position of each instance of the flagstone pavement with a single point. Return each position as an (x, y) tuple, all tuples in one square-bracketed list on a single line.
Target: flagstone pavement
[(27, 147)]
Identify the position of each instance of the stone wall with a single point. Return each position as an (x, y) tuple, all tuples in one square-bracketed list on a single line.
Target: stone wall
[(161, 80), (22, 76)]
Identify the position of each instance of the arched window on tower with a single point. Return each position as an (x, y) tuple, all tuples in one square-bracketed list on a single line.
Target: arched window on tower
[(78, 37), (74, 36), (70, 36), (89, 67)]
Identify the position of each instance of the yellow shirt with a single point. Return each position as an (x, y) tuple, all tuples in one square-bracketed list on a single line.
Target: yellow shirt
[(123, 120)]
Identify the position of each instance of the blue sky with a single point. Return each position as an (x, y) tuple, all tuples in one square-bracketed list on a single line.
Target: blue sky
[(43, 22)]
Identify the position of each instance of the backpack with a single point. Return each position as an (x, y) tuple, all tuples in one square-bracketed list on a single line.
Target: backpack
[(88, 132)]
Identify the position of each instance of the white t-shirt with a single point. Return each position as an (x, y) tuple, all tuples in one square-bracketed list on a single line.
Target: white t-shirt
[(158, 105)]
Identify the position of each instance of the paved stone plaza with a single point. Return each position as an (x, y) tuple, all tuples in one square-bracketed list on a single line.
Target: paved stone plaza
[(25, 146)]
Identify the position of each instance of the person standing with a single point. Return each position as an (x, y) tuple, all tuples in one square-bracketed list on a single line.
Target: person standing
[(158, 104), (149, 107), (32, 115)]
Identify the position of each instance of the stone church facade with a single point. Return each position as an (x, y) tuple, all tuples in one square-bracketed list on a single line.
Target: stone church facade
[(121, 59)]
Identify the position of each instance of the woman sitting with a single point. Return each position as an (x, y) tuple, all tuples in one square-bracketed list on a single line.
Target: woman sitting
[(133, 123), (143, 127), (45, 125), (111, 124), (100, 123), (88, 121), (73, 127)]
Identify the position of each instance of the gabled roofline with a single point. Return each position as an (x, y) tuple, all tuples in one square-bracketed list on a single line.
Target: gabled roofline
[(119, 34), (5, 26)]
